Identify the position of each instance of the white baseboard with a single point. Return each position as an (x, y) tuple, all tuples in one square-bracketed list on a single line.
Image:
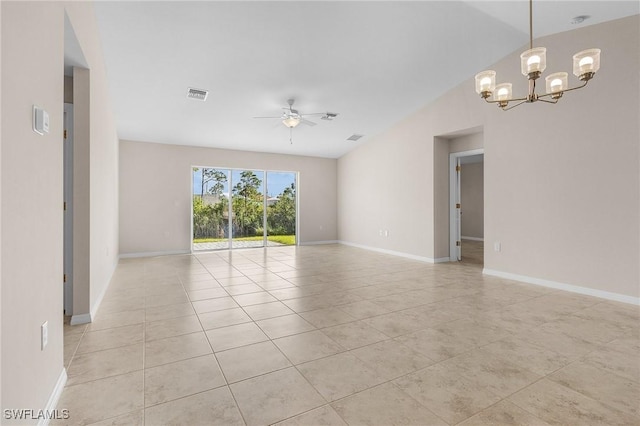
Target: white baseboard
[(617, 297), (318, 243), (80, 319), (153, 253), (94, 308), (472, 238), (87, 318), (395, 253), (442, 260), (54, 398)]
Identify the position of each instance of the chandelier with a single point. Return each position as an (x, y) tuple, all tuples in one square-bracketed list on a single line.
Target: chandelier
[(533, 62)]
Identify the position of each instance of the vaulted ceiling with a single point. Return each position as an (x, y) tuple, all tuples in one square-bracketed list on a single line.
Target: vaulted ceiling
[(373, 63)]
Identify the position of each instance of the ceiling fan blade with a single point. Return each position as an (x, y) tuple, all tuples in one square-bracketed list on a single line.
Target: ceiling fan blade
[(307, 122), (315, 113)]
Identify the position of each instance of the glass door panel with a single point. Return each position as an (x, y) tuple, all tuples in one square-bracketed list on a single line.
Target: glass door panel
[(210, 208), (281, 208), (247, 207)]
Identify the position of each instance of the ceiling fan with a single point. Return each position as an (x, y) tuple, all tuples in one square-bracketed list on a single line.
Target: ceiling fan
[(292, 117)]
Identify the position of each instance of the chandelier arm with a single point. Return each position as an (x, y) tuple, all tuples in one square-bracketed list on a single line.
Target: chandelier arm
[(518, 99), (508, 100), (565, 90), (548, 101), (544, 96), (577, 87), (513, 106)]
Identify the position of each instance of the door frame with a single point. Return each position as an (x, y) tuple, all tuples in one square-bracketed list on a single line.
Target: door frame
[(68, 210), (455, 252)]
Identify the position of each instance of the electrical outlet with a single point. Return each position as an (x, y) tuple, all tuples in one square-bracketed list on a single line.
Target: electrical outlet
[(44, 335), (497, 246), (386, 232), (380, 232)]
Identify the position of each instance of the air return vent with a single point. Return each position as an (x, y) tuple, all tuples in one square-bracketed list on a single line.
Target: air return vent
[(198, 94), (354, 137)]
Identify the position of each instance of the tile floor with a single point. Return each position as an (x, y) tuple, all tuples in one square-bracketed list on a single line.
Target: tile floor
[(472, 252), (334, 335)]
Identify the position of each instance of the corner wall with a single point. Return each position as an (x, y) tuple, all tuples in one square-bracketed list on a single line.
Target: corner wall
[(155, 193), (561, 181), (32, 226)]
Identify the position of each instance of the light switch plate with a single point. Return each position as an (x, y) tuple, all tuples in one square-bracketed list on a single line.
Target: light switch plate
[(40, 120), (44, 335)]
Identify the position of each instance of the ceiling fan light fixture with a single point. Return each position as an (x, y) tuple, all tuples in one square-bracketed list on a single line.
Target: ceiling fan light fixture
[(291, 121)]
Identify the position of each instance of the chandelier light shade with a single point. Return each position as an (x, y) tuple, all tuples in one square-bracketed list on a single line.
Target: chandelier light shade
[(533, 63), (586, 64), (557, 83), (503, 93), (486, 82)]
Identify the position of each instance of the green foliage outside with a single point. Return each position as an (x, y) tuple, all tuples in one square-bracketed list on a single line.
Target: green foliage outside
[(282, 239), (210, 220), (281, 215), (247, 205)]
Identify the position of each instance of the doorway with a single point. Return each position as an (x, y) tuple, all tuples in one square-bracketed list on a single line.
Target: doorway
[(466, 206), (236, 208)]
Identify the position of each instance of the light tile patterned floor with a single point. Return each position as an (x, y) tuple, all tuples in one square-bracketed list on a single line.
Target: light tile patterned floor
[(336, 335)]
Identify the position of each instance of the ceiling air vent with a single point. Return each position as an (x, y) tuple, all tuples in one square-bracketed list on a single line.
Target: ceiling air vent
[(198, 94), (354, 137)]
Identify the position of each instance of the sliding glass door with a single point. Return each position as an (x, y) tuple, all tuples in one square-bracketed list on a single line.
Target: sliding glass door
[(281, 208), (247, 208), (243, 208)]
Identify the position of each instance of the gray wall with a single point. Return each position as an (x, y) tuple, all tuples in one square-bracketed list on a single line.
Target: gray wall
[(155, 192)]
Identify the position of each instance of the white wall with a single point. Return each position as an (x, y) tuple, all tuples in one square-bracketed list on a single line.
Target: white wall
[(32, 226), (561, 181), (155, 193)]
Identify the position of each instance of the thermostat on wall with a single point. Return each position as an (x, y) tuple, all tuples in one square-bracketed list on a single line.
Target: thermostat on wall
[(40, 120)]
